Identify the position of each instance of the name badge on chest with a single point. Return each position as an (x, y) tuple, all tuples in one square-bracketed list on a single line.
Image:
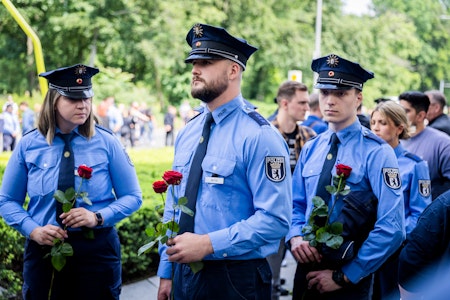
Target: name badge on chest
[(216, 180)]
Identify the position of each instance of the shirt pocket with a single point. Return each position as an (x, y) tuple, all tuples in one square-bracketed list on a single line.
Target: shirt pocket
[(218, 182), (100, 183), (42, 172)]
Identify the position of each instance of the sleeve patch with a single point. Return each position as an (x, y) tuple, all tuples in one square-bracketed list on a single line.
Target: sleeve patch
[(425, 187), (275, 168), (392, 178)]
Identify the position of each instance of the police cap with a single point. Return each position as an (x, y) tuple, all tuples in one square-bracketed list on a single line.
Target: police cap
[(337, 73), (210, 42), (73, 82)]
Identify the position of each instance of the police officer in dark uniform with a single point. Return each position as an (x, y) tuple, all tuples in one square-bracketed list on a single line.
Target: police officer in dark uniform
[(374, 170)]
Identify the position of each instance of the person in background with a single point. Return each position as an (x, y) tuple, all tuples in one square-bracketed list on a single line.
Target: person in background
[(27, 120), (315, 117), (424, 261), (114, 116), (11, 128), (293, 99), (242, 206), (10, 101), (363, 118), (169, 124), (373, 171), (66, 130), (428, 143), (435, 114), (389, 122)]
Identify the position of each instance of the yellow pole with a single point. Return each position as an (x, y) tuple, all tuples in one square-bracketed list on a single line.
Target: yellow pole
[(36, 42)]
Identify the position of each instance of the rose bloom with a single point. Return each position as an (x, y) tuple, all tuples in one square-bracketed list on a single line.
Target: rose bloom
[(159, 186), (84, 172), (343, 170), (172, 177)]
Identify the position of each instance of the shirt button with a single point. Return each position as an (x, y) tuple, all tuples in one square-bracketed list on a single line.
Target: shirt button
[(224, 255)]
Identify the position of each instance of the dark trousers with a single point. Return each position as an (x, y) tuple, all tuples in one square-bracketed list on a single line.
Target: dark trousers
[(93, 272), (224, 280), (360, 291)]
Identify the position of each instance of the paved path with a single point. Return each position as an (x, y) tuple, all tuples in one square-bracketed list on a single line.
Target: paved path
[(148, 289)]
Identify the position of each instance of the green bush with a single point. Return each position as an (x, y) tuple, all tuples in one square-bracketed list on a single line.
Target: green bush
[(132, 237), (11, 261)]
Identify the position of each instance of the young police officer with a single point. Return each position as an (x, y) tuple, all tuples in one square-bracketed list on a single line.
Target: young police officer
[(374, 171)]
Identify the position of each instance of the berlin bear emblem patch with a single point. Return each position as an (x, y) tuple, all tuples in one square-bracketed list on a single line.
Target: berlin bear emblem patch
[(392, 178), (275, 168)]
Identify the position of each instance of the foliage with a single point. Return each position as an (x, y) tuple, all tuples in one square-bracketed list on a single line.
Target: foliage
[(11, 260), (404, 42)]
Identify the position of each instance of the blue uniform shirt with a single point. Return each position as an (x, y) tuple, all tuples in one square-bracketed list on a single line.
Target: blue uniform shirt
[(415, 185), (34, 169), (372, 161), (245, 200)]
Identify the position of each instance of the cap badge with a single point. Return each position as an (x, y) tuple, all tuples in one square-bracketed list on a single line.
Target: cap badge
[(198, 44), (198, 30), (80, 70), (79, 80), (331, 74), (332, 60)]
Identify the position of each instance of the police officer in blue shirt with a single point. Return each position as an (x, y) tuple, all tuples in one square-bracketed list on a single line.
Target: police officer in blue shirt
[(374, 170), (243, 207), (94, 270), (389, 122)]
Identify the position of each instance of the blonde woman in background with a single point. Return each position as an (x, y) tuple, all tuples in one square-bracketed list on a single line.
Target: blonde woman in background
[(389, 122)]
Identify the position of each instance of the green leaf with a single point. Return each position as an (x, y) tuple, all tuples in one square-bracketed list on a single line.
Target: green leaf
[(335, 242), (67, 206), (182, 201), (70, 193), (146, 247), (307, 229), (187, 210), (345, 192), (317, 201), (331, 189), (196, 266), (58, 261), (85, 198), (313, 243), (322, 236), (336, 228), (309, 237), (60, 197), (150, 231), (66, 249)]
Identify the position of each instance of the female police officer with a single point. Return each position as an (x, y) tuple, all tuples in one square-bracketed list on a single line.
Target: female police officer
[(94, 270)]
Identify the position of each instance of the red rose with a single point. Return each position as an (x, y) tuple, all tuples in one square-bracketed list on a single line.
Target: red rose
[(84, 172), (159, 186), (343, 170), (172, 177)]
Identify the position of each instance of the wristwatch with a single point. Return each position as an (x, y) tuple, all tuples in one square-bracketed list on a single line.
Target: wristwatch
[(338, 277), (99, 218)]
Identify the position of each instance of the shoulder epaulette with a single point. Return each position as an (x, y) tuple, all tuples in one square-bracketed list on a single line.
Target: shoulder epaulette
[(31, 130), (413, 156), (198, 112), (369, 134), (104, 129), (257, 117)]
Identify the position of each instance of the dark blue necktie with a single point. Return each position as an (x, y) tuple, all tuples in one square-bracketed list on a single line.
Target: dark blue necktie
[(195, 177), (66, 177), (325, 175)]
